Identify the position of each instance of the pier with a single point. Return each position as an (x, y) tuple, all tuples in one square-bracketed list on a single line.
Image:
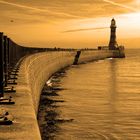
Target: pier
[(23, 73)]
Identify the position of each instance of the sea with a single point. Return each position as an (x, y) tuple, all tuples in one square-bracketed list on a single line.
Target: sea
[(99, 100)]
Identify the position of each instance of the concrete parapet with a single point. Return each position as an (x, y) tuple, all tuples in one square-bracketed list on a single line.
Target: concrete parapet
[(39, 67), (94, 55)]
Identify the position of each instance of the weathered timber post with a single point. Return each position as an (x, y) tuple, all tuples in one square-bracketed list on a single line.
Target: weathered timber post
[(5, 60), (11, 49), (1, 66), (8, 56)]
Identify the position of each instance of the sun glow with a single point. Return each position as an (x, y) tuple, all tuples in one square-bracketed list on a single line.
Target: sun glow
[(137, 1), (131, 21)]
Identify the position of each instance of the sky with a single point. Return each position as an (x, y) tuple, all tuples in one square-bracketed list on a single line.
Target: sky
[(70, 23)]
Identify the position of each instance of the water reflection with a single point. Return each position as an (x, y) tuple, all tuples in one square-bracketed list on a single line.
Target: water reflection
[(113, 84), (113, 95), (103, 99)]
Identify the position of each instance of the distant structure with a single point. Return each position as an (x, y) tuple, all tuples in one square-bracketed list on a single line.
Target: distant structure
[(118, 50), (113, 43)]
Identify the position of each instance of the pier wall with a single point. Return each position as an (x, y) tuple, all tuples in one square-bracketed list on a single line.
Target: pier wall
[(39, 67), (34, 71), (87, 56)]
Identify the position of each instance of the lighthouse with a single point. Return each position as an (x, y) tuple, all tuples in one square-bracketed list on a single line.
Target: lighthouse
[(113, 43)]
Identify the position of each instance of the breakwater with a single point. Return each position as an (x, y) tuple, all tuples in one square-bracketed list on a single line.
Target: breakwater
[(36, 67), (39, 67)]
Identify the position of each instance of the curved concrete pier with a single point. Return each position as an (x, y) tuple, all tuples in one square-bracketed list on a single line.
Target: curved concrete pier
[(34, 72)]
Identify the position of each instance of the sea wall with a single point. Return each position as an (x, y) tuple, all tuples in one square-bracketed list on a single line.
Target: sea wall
[(34, 71), (39, 67), (94, 55)]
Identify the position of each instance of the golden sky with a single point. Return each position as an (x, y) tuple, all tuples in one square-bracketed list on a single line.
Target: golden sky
[(49, 23)]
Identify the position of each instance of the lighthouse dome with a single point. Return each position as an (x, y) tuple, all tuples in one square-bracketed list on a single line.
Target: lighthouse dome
[(113, 22)]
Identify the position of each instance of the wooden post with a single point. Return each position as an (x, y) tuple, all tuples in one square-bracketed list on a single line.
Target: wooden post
[(8, 51), (5, 61), (1, 66), (8, 56)]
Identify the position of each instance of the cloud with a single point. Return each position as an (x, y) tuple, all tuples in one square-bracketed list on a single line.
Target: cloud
[(85, 29), (39, 10), (54, 10), (44, 20), (122, 5)]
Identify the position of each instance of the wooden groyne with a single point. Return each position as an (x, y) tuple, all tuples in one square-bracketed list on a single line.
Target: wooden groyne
[(23, 73)]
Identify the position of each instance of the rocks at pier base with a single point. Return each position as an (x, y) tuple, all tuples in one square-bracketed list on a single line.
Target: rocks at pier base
[(49, 117)]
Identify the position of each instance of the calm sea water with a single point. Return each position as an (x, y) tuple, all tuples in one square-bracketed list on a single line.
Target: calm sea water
[(102, 99)]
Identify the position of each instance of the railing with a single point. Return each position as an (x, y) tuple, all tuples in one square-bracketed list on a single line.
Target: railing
[(10, 54)]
